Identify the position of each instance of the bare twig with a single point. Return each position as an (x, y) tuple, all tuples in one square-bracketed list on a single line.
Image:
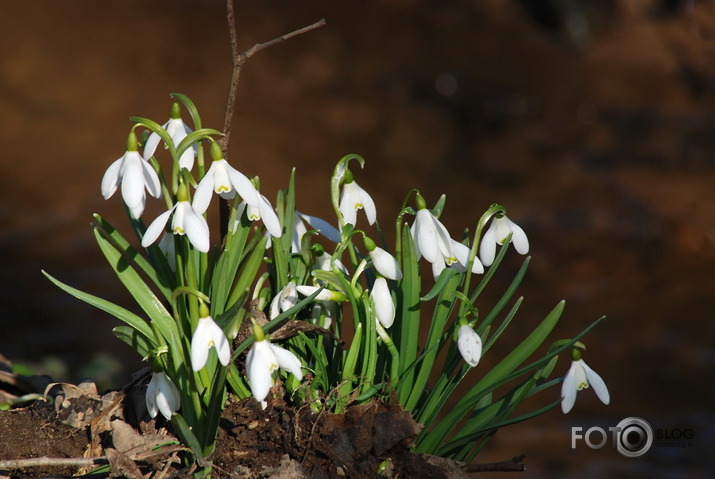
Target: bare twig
[(240, 59), (512, 465)]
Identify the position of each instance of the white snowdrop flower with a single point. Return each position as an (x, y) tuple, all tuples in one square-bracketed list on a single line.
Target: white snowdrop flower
[(461, 253), (469, 344), (162, 396), (578, 377), (354, 198), (382, 301), (135, 175), (224, 180), (432, 239), (384, 262), (177, 130), (262, 360), (208, 335), (321, 226), (284, 300), (497, 233), (185, 221), (263, 210)]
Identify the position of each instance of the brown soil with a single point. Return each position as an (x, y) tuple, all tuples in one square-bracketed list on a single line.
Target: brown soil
[(278, 442)]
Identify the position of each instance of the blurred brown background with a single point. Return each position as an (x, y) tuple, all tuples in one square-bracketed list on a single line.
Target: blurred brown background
[(593, 122)]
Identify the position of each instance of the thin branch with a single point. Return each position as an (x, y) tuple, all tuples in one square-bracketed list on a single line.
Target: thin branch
[(515, 464), (240, 59)]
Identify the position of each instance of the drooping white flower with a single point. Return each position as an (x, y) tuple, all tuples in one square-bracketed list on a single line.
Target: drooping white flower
[(497, 233), (263, 210), (135, 175), (208, 335), (578, 377), (177, 130), (262, 360), (432, 239), (224, 180), (469, 344), (382, 301), (162, 396), (324, 295), (284, 300), (319, 225), (354, 198), (384, 262), (185, 221), (461, 253)]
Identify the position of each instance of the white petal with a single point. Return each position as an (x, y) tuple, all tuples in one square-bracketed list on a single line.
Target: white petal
[(426, 239), (385, 264), (269, 217), (322, 227), (299, 230), (156, 228), (369, 205), (519, 239), (469, 344), (288, 296), (260, 363), (133, 181), (150, 146), (202, 195), (151, 180), (437, 268), (196, 229), (200, 344), (110, 180), (150, 397), (168, 400), (287, 361), (348, 206), (488, 247), (462, 253), (599, 386), (220, 342), (568, 389), (324, 295), (382, 299), (243, 186)]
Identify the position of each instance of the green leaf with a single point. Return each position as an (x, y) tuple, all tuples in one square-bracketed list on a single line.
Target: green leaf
[(118, 312)]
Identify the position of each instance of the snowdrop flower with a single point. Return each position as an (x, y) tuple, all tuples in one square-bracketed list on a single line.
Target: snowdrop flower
[(135, 174), (461, 253), (578, 377), (263, 210), (263, 359), (208, 335), (384, 262), (177, 130), (162, 396), (431, 237), (186, 221), (319, 225), (382, 301), (498, 232), (469, 344), (284, 300), (224, 180), (354, 198)]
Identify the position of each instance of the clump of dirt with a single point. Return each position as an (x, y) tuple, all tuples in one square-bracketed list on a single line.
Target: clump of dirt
[(366, 441), (76, 431)]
